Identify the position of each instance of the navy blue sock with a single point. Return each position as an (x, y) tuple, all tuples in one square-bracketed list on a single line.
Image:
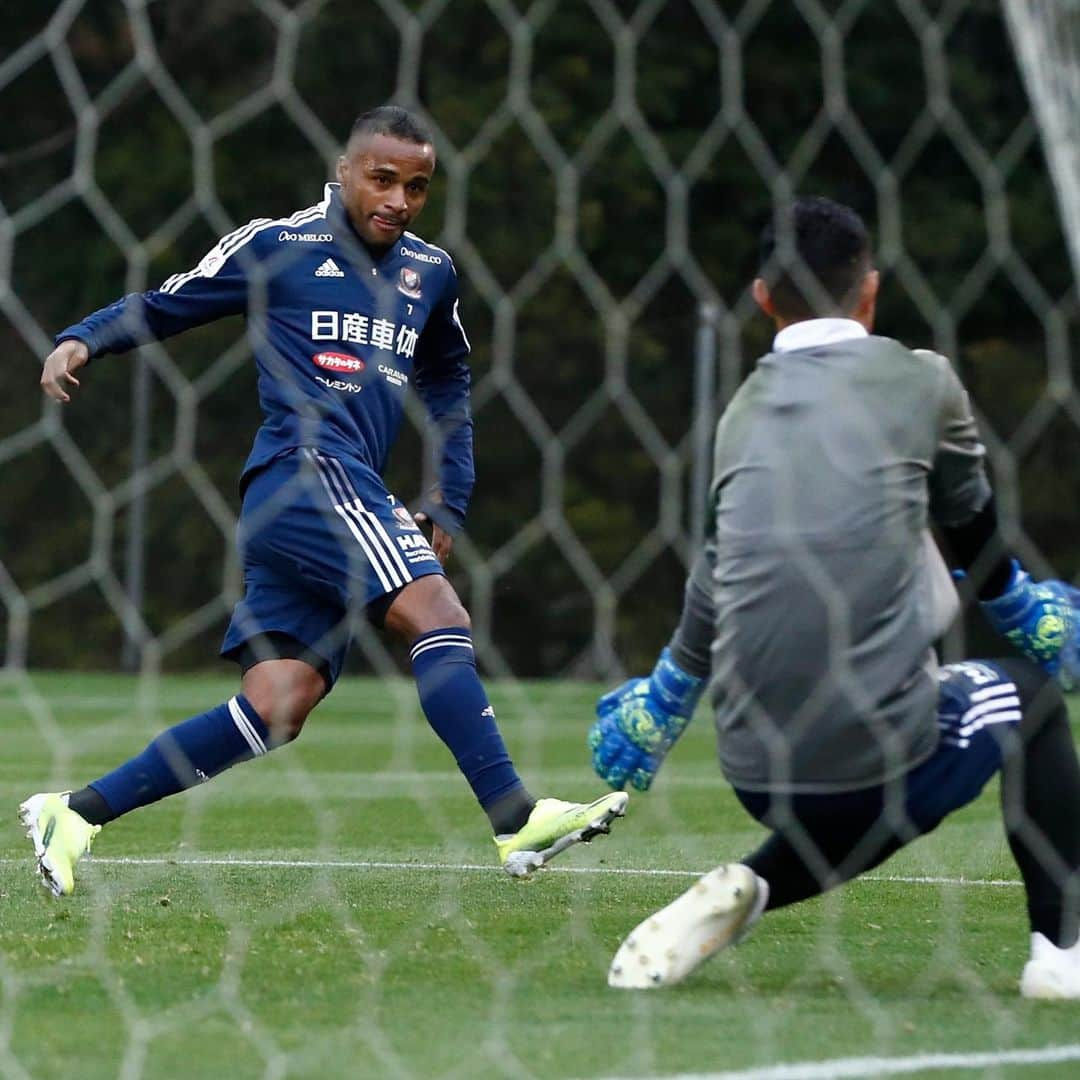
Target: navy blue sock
[(457, 708), (183, 756)]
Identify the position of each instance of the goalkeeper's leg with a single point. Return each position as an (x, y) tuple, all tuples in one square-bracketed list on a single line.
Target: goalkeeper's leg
[(822, 841), (1004, 715), (1040, 803)]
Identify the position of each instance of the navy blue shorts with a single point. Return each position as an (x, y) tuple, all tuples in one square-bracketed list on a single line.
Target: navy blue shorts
[(979, 707), (318, 538)]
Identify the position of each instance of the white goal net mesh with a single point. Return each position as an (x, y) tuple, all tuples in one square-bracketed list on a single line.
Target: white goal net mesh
[(604, 169), (1047, 37)]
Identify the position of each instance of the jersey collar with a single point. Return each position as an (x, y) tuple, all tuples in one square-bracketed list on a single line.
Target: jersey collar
[(812, 332)]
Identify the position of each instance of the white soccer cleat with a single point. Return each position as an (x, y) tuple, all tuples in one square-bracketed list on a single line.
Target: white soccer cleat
[(60, 837), (717, 911), (1052, 974)]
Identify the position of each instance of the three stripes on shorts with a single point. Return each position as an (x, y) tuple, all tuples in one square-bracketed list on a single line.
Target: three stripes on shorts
[(376, 543), (998, 704)]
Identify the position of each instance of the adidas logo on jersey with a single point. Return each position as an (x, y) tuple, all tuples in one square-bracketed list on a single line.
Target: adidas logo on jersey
[(329, 269)]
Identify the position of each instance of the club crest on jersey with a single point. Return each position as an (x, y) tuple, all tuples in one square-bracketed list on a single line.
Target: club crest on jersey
[(409, 282), (405, 519), (335, 361)]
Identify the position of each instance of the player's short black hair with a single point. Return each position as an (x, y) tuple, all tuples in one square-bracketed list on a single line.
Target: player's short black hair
[(391, 120), (814, 240)]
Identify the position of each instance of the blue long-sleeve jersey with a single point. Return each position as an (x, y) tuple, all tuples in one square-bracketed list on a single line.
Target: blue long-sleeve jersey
[(338, 335)]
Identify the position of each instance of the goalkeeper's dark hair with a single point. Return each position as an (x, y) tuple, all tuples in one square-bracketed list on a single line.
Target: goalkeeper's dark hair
[(814, 256), (391, 120)]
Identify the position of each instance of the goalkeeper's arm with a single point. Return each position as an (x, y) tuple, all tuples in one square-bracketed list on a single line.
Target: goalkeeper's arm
[(1040, 618), (638, 722)]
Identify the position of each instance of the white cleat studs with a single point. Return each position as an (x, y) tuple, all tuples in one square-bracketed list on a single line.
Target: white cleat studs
[(715, 912), (522, 863)]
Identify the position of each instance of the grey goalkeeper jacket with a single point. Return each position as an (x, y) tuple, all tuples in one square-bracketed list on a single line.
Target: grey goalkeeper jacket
[(831, 461)]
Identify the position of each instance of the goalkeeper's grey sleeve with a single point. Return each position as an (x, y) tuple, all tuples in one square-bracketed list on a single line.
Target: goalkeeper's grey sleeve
[(691, 643), (958, 485)]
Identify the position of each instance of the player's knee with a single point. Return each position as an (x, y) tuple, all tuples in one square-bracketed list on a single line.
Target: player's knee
[(283, 693), (286, 721), (429, 603), (450, 612)]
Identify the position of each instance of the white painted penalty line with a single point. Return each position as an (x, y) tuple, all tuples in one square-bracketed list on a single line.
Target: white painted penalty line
[(373, 864), (878, 1066)]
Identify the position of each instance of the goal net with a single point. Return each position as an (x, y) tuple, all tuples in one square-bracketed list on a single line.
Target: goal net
[(1047, 39), (604, 171)]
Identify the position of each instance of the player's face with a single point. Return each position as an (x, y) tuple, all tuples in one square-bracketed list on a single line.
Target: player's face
[(384, 185)]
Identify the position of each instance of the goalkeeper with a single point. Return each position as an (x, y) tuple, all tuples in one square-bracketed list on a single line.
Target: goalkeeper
[(345, 310), (819, 599)]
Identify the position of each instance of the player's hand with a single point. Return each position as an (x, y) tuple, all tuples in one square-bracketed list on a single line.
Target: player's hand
[(624, 717), (1042, 619), (442, 542), (60, 367), (639, 722)]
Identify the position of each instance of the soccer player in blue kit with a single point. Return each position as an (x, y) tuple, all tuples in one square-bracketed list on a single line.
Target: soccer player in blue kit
[(345, 310)]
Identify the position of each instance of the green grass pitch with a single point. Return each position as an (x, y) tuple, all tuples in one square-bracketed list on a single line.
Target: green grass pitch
[(334, 910)]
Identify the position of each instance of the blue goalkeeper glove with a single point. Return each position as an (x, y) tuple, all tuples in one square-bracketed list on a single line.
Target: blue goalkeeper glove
[(639, 723), (1042, 619)]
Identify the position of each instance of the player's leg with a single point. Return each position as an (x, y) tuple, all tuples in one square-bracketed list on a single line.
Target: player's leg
[(820, 841), (288, 642), (393, 572), (992, 716), (274, 701), (1004, 714), (1040, 802), (430, 617), (388, 567), (817, 842)]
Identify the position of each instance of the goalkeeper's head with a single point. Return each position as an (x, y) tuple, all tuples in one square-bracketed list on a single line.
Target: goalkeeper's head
[(816, 263)]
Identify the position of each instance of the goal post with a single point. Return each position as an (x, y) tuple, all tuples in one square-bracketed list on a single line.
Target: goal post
[(1046, 34)]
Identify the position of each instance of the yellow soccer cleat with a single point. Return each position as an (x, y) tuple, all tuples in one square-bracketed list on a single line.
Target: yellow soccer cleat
[(553, 826), (61, 838), (716, 912)]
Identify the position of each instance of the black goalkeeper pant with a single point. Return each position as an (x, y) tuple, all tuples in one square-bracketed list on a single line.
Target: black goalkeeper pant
[(821, 841)]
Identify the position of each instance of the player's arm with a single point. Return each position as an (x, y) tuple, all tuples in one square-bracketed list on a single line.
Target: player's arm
[(639, 722), (1040, 618), (215, 288), (961, 501), (442, 379)]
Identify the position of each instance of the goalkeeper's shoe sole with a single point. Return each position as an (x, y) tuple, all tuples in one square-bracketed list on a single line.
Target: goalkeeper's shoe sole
[(60, 838), (1052, 973), (553, 826), (717, 911), (1050, 983)]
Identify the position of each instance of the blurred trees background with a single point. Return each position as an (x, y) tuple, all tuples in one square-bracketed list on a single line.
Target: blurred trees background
[(605, 167)]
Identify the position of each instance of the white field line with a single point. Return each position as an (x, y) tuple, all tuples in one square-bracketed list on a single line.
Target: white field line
[(376, 864), (820, 1070), (885, 1066)]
